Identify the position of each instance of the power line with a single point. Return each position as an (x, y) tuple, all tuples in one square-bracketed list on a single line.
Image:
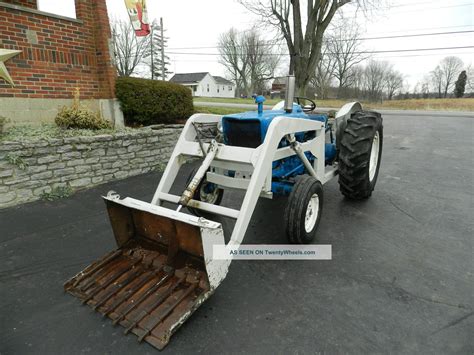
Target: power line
[(387, 32), (418, 10), (418, 35), (359, 52), (393, 56), (359, 39)]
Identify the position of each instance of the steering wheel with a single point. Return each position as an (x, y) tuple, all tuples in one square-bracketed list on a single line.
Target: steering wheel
[(306, 108)]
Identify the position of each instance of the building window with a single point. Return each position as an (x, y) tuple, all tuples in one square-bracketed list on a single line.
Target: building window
[(218, 89), (223, 88), (207, 87), (194, 88), (230, 88), (63, 8)]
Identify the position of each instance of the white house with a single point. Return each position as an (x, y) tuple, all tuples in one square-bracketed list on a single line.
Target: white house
[(206, 85)]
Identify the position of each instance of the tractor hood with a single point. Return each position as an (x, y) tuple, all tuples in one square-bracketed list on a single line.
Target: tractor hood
[(248, 129)]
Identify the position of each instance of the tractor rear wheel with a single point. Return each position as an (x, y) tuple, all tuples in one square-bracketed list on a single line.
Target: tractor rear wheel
[(205, 192), (360, 153), (303, 211)]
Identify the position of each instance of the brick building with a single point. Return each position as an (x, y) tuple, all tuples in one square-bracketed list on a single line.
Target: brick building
[(58, 54)]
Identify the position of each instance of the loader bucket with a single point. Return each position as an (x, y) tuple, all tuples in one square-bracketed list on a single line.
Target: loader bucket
[(160, 274)]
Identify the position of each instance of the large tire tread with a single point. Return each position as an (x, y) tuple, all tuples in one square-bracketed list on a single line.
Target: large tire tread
[(354, 154)]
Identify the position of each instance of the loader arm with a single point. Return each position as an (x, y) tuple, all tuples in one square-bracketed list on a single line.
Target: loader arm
[(257, 161)]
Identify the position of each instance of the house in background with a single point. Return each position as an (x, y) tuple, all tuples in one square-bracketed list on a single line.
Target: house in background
[(206, 85), (278, 88)]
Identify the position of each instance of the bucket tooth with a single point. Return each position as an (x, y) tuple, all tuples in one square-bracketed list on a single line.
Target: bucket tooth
[(161, 297), (87, 273), (116, 288), (129, 293), (148, 292), (166, 311), (114, 278)]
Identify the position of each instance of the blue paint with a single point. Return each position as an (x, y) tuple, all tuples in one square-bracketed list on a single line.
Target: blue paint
[(330, 152), (281, 188), (249, 129), (259, 100)]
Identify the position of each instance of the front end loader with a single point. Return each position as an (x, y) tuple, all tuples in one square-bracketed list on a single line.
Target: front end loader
[(164, 269)]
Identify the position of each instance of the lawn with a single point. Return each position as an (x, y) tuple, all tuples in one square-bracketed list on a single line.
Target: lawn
[(217, 110), (465, 104), (234, 101)]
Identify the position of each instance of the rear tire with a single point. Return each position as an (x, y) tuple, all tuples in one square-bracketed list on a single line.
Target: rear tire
[(204, 193), (360, 154), (303, 211)]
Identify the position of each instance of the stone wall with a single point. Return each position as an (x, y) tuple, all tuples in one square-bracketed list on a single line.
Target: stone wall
[(29, 170)]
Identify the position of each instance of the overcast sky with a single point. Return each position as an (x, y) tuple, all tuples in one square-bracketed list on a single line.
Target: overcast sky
[(191, 23)]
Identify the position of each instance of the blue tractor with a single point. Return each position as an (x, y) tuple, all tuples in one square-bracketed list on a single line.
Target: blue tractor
[(352, 150)]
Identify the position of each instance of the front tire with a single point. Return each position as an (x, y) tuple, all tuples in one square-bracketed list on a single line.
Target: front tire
[(303, 211), (360, 154)]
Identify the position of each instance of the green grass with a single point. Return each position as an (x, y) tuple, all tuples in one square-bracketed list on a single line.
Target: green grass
[(464, 104), (217, 110), (23, 133), (57, 193), (235, 100)]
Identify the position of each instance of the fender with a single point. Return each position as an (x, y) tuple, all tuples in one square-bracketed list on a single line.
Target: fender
[(342, 116)]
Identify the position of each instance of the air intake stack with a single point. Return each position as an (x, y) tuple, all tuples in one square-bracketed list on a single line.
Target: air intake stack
[(290, 93)]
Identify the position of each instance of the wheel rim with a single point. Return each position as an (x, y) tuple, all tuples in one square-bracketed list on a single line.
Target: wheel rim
[(209, 193), (374, 156), (311, 213)]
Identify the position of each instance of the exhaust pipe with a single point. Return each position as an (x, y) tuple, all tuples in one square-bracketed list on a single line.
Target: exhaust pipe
[(290, 93)]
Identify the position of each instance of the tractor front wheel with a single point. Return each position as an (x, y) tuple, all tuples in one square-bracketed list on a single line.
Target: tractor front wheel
[(303, 211), (360, 154)]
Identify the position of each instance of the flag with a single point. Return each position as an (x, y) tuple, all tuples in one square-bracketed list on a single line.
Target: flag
[(138, 16)]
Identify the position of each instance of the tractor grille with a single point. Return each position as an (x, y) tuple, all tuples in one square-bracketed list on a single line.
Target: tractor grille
[(243, 133)]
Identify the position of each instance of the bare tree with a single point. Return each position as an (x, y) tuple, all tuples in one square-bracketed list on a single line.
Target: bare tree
[(324, 74), (130, 50), (304, 42), (345, 47), (262, 60), (437, 76), (374, 76), (470, 78), (425, 87), (232, 59), (357, 83), (249, 60), (393, 82), (450, 67)]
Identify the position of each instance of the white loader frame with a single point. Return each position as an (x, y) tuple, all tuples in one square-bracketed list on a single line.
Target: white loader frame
[(253, 167)]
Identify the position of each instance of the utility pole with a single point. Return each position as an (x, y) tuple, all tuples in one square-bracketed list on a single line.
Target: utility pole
[(163, 74), (152, 61)]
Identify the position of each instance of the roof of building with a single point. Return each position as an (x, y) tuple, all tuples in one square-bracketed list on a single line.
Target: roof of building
[(222, 81), (188, 77), (280, 80)]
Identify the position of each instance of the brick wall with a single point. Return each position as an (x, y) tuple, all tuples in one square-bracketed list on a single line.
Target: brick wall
[(27, 3), (29, 170), (59, 54)]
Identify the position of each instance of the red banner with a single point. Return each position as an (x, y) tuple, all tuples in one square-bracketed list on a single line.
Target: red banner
[(138, 13)]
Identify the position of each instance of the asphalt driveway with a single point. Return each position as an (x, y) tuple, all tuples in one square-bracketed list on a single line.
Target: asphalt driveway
[(401, 278)]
